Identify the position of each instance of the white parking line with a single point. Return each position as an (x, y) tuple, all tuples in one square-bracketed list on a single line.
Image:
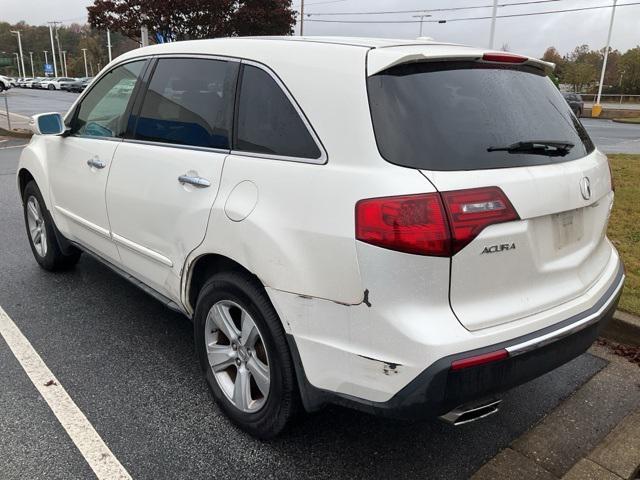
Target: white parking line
[(104, 464)]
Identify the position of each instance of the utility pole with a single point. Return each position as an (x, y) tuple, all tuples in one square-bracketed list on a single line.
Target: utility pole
[(597, 108), (53, 50), (492, 35), (421, 16), (20, 50), (64, 56), (31, 58), (86, 70), (301, 18), (109, 43)]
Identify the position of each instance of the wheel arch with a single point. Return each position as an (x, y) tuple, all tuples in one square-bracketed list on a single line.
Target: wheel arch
[(32, 167), (199, 270)]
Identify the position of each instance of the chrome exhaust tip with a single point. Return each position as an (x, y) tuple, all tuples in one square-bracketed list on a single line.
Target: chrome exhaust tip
[(471, 412)]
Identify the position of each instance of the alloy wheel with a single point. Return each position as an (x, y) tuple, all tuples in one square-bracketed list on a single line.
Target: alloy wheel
[(237, 356), (37, 230)]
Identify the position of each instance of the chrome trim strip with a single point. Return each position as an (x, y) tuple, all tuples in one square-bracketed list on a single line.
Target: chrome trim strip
[(551, 337), (85, 223), (176, 145), (323, 153), (147, 252)]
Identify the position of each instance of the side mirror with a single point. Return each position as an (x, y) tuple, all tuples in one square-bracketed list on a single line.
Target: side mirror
[(47, 124)]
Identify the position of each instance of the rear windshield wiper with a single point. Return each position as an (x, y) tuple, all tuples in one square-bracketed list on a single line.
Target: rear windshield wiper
[(537, 147)]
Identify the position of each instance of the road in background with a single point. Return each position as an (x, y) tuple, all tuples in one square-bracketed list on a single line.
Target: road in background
[(613, 137)]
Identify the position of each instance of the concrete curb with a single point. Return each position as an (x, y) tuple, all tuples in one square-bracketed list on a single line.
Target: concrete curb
[(623, 328), (15, 133), (623, 120)]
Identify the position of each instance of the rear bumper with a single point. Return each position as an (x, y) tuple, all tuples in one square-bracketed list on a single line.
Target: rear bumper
[(438, 389)]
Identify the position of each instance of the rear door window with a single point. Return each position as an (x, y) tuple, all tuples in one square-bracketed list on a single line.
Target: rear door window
[(267, 121), (449, 115), (189, 102)]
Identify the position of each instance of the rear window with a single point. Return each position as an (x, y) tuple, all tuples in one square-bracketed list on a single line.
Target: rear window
[(447, 115)]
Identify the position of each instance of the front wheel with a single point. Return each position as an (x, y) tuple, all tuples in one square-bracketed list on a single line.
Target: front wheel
[(243, 352), (51, 87), (41, 233)]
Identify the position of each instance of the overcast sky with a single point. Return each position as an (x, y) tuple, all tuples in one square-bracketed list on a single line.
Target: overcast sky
[(529, 35)]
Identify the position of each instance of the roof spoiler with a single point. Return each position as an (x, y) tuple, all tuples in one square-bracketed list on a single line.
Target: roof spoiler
[(385, 59)]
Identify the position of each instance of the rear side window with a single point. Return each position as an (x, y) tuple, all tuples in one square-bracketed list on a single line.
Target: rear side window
[(267, 121), (189, 102), (449, 115)]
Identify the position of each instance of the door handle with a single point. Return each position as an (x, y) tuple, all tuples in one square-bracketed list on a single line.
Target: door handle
[(194, 180), (96, 163)]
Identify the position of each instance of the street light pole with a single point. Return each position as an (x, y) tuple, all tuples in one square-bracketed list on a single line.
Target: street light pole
[(53, 50), (109, 43), (597, 108), (18, 64), (301, 18), (59, 48), (492, 35), (86, 70), (20, 50), (64, 56), (421, 17), (31, 58)]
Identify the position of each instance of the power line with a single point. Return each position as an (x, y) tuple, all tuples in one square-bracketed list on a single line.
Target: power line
[(475, 18), (449, 9), (328, 1)]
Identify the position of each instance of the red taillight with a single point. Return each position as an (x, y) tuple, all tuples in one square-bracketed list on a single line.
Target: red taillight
[(503, 57), (479, 360), (471, 211), (409, 223), (423, 225)]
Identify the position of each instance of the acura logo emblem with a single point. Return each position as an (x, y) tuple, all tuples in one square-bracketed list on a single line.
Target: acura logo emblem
[(585, 188)]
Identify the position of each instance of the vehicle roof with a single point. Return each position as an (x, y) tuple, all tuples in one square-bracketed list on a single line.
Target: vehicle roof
[(312, 51)]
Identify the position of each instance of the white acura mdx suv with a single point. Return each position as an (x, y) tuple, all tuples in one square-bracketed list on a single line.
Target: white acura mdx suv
[(404, 227)]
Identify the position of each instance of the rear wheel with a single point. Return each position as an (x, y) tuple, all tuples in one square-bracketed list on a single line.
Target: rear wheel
[(51, 87), (41, 233), (244, 354)]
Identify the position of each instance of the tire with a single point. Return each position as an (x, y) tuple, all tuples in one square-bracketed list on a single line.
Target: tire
[(233, 292), (51, 87), (41, 233), (1, 87)]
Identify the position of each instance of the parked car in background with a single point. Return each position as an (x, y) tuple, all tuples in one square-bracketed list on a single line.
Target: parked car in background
[(575, 102), (76, 86), (14, 81), (55, 83), (5, 83), (285, 195), (33, 81), (22, 83)]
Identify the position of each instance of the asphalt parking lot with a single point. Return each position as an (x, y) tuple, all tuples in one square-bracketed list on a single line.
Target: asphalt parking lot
[(129, 366)]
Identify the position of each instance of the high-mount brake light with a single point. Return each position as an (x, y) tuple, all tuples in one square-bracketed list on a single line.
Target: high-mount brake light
[(503, 57), (434, 224)]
